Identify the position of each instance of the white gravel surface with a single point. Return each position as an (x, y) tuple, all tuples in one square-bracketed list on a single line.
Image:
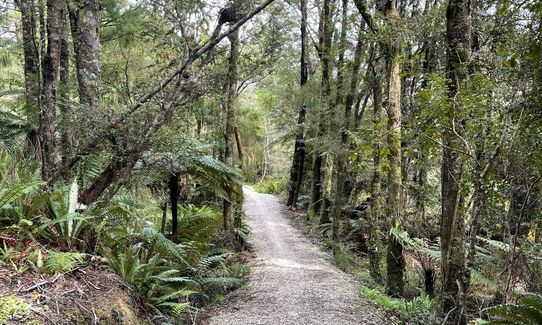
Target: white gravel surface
[(292, 281)]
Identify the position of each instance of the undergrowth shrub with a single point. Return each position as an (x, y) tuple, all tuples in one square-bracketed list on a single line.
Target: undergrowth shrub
[(271, 185), (419, 310), (526, 311)]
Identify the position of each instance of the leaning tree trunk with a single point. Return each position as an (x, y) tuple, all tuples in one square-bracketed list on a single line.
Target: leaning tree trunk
[(85, 25), (231, 93), (395, 261), (31, 67), (458, 40), (325, 92), (48, 95), (298, 164), (121, 166)]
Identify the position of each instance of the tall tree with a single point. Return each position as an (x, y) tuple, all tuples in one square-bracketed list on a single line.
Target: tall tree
[(187, 80), (375, 205), (64, 90), (49, 152), (231, 94), (85, 24), (298, 165), (394, 258), (343, 135), (31, 65), (458, 41), (325, 37)]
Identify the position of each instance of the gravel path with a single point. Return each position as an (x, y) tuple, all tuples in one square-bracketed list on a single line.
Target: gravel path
[(291, 282)]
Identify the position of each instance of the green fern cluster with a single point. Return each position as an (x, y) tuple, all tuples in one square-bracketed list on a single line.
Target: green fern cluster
[(527, 311), (271, 185), (419, 310)]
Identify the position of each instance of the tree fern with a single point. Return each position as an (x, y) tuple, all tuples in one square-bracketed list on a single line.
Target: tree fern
[(158, 243)]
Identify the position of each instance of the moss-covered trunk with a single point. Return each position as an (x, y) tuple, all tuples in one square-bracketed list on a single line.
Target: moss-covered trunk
[(458, 40), (394, 258), (231, 95)]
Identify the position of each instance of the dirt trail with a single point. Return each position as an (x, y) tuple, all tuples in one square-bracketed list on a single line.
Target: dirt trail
[(292, 282)]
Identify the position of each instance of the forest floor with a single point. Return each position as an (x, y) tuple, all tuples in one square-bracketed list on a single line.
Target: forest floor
[(292, 281)]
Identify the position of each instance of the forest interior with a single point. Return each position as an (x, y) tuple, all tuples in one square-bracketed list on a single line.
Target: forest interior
[(271, 162)]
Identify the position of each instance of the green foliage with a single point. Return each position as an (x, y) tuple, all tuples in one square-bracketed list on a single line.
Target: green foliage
[(12, 306), (419, 310), (343, 257), (527, 311), (61, 262), (198, 225), (271, 185), (239, 270), (221, 178), (7, 253)]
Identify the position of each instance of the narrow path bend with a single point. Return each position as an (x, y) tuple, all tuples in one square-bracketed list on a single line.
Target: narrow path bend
[(291, 281)]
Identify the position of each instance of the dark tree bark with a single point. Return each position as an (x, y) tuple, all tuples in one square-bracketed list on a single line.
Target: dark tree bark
[(325, 53), (51, 61), (298, 164), (296, 172), (458, 40), (85, 23), (375, 205), (174, 192), (231, 94), (31, 67), (163, 207), (64, 92), (118, 168)]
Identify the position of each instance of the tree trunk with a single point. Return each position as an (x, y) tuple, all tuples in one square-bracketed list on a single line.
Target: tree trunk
[(64, 94), (239, 146), (231, 93), (174, 192), (31, 67), (163, 207), (121, 166), (395, 261), (341, 159), (375, 206), (458, 39), (85, 24), (325, 53), (296, 172), (298, 164), (48, 95)]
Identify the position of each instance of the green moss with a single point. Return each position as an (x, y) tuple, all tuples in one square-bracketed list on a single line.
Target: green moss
[(11, 307)]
